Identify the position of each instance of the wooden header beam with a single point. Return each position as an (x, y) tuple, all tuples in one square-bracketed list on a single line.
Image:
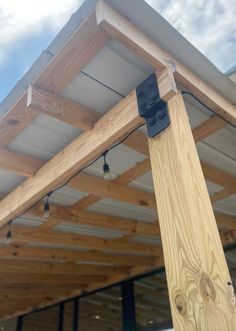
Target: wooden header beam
[(127, 33), (108, 130)]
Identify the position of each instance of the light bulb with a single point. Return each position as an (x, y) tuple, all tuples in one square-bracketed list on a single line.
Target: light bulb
[(106, 172), (46, 211)]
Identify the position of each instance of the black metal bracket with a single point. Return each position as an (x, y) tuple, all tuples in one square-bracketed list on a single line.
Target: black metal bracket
[(151, 107)]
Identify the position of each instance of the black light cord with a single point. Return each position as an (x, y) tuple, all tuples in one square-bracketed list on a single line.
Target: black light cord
[(49, 194), (208, 108)]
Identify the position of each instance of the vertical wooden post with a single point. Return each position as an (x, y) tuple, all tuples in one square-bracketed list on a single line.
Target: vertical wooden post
[(199, 284)]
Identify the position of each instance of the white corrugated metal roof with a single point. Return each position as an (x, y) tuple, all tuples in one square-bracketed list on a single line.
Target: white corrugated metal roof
[(121, 71)]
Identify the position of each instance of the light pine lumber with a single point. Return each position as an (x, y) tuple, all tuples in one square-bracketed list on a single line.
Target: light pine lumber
[(108, 130), (21, 253), (197, 273), (25, 235), (127, 33), (63, 109), (70, 215), (81, 47)]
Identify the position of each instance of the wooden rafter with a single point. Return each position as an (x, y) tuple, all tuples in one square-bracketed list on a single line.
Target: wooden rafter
[(83, 45), (127, 33)]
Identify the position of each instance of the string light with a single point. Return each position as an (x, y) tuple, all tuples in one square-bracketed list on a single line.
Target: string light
[(106, 169), (46, 209), (9, 233)]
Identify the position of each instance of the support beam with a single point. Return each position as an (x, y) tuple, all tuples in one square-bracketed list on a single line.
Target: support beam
[(81, 47), (110, 190), (19, 163), (32, 267), (71, 215), (109, 129), (21, 253), (127, 33), (197, 273), (63, 109), (25, 235)]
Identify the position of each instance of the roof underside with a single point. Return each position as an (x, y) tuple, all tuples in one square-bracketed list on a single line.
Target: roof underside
[(100, 85)]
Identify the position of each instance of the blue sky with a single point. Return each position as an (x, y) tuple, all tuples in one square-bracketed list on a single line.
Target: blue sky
[(27, 27)]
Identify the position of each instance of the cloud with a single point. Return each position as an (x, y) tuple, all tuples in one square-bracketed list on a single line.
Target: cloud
[(20, 19), (208, 25)]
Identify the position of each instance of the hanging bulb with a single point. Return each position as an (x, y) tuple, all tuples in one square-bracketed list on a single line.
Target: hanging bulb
[(9, 234), (106, 169), (46, 209)]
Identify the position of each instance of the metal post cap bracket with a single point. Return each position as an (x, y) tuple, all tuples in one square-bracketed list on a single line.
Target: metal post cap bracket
[(151, 107)]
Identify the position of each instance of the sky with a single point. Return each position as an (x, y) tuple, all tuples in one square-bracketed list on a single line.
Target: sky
[(27, 27)]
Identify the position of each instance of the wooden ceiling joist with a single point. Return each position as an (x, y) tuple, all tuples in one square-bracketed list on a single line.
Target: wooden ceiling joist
[(69, 215), (54, 254), (66, 110), (127, 33), (25, 235), (108, 130), (83, 45), (9, 266)]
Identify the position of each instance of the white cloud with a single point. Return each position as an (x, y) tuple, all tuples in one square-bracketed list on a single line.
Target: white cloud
[(208, 25), (25, 17)]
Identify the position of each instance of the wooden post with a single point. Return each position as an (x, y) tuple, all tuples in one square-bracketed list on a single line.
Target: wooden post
[(199, 284)]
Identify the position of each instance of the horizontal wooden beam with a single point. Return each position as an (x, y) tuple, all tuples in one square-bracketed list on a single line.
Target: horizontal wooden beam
[(80, 48), (63, 109), (55, 254), (19, 163), (208, 127), (69, 215), (15, 266), (108, 130), (227, 221), (24, 235), (127, 33), (8, 278), (110, 190), (218, 176)]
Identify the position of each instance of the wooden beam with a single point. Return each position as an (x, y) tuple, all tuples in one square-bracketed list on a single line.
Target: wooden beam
[(54, 254), (81, 47), (127, 33), (222, 194), (63, 109), (74, 216), (108, 130), (218, 176), (8, 278), (24, 235), (208, 127), (15, 266), (19, 163), (197, 273), (227, 221), (111, 190)]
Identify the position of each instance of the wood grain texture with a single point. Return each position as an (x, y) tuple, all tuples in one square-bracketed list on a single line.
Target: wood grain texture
[(24, 235), (110, 190), (108, 130), (21, 253), (208, 127), (69, 215), (127, 33), (19, 163), (80, 48), (63, 109), (197, 272)]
